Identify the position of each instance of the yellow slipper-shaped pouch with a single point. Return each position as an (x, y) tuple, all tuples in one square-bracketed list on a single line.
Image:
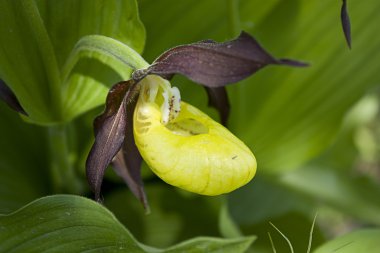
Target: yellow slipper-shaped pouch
[(192, 152)]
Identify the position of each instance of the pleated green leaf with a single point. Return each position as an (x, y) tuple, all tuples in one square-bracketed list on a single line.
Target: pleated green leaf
[(67, 22), (28, 63), (364, 240), (37, 39), (86, 87), (287, 116), (212, 245), (66, 223)]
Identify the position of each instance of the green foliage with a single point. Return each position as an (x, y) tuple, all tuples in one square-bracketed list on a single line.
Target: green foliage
[(65, 223), (38, 42), (316, 149), (364, 240)]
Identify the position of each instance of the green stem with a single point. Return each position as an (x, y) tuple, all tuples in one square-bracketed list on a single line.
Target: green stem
[(233, 17), (61, 169)]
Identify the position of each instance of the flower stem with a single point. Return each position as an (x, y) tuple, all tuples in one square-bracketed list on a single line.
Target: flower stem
[(61, 168)]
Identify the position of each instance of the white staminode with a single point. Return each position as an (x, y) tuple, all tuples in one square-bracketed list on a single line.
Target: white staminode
[(171, 106)]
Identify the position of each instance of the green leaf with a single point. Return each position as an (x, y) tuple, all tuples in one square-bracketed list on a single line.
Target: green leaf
[(89, 69), (212, 245), (67, 223), (37, 38), (364, 240), (68, 24), (68, 21), (83, 93), (64, 223), (27, 63), (287, 116)]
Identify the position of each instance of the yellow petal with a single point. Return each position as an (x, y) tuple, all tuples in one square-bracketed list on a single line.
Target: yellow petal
[(194, 152)]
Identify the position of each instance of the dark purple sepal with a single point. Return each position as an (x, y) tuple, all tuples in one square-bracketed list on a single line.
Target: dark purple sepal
[(216, 64), (127, 162), (218, 98), (129, 169), (110, 130), (7, 95), (292, 63), (346, 25)]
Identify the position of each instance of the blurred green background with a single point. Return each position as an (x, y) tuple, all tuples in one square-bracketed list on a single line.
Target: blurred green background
[(314, 131)]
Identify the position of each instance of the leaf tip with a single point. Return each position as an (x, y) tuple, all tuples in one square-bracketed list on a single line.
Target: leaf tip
[(346, 24), (147, 209), (8, 96), (293, 63)]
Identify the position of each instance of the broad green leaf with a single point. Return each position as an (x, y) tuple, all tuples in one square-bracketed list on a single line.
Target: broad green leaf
[(212, 245), (110, 55), (67, 223), (287, 116), (67, 22), (27, 63), (364, 240), (37, 39), (64, 223)]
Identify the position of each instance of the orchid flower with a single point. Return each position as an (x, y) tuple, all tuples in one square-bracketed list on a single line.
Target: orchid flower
[(145, 119)]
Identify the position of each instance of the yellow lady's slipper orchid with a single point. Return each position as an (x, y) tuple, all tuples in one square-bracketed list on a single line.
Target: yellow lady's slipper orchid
[(181, 144), (190, 150)]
